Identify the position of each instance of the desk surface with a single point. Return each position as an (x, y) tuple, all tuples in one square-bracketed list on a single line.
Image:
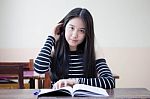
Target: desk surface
[(113, 94)]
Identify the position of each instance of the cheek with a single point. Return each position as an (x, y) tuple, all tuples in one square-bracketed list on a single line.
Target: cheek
[(82, 37), (67, 35)]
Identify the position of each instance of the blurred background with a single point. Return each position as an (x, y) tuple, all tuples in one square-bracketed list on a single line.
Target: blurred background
[(122, 29)]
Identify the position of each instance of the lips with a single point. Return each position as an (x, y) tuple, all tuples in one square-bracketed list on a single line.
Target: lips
[(74, 40)]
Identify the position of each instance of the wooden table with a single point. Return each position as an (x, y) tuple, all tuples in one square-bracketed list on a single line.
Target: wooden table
[(121, 93)]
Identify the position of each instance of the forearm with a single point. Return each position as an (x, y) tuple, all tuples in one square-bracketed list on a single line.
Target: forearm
[(103, 82), (43, 60), (104, 77)]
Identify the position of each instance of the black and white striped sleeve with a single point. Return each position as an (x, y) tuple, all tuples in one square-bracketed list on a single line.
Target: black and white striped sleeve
[(104, 76), (43, 60)]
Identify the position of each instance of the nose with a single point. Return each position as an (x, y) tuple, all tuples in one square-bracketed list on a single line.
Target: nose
[(75, 34)]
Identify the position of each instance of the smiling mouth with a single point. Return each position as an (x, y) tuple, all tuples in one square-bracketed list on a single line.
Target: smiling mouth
[(74, 40)]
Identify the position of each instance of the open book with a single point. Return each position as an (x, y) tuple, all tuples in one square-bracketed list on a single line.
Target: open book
[(77, 90)]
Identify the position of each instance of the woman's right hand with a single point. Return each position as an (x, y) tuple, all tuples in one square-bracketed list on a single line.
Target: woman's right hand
[(56, 31)]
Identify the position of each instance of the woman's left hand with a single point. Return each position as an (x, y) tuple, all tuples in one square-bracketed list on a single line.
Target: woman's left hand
[(63, 83)]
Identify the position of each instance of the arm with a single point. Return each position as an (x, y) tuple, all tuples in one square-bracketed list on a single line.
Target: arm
[(43, 61), (104, 76)]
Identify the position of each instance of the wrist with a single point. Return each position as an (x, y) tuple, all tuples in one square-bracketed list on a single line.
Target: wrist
[(53, 39)]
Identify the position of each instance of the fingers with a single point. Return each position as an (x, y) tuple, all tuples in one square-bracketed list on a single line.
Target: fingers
[(63, 83), (58, 28), (59, 84), (60, 24)]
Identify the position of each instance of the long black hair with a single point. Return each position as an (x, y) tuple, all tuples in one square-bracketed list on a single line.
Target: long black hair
[(60, 59)]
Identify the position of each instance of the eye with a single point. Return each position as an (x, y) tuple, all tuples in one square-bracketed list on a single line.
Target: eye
[(70, 28), (82, 30)]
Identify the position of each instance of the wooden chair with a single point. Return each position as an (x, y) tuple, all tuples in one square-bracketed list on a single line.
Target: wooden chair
[(8, 71), (47, 80), (26, 66)]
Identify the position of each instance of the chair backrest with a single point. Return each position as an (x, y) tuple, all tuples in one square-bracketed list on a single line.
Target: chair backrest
[(16, 70)]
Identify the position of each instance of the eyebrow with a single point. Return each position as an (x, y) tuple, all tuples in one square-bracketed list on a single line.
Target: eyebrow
[(74, 26)]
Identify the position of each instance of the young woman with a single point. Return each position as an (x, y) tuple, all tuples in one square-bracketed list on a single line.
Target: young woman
[(74, 59)]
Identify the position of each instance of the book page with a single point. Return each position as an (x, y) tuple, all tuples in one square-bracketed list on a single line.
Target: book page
[(77, 90), (68, 88), (51, 92), (86, 90), (42, 91)]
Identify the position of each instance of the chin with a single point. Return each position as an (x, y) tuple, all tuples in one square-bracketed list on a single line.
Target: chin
[(73, 45)]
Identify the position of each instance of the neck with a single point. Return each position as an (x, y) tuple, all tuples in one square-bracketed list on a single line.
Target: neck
[(73, 48)]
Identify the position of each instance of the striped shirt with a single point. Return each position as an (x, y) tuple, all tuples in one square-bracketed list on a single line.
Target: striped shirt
[(104, 77)]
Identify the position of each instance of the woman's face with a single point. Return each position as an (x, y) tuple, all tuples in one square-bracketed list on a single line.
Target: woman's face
[(75, 32)]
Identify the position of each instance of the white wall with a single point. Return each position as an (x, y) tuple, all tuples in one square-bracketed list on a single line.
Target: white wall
[(122, 29), (119, 23)]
